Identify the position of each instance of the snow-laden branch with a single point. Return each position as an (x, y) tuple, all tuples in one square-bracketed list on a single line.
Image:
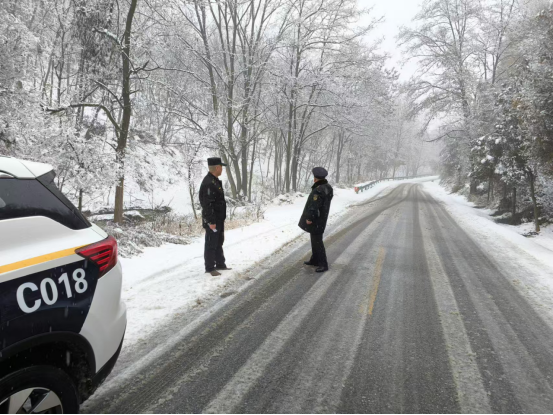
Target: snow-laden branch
[(108, 34), (87, 105)]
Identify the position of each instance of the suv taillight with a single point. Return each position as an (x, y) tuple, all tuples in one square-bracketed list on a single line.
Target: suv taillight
[(103, 253)]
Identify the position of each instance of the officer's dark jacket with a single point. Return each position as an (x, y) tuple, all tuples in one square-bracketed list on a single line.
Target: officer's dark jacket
[(212, 199), (317, 208)]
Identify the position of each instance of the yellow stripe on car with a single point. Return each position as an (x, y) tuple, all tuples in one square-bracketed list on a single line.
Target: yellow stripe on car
[(37, 260)]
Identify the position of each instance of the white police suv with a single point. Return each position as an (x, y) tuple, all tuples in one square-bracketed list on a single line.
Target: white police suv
[(62, 320)]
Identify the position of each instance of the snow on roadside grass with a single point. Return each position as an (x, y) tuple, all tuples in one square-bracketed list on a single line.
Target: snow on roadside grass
[(545, 238), (531, 259), (165, 280)]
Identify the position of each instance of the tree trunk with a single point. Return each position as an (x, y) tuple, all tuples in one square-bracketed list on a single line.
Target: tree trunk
[(228, 169), (295, 162), (473, 186), (244, 157), (251, 172), (339, 151), (277, 170), (80, 200), (51, 84), (514, 206), (532, 179), (260, 174), (289, 147), (126, 116), (233, 159), (293, 174), (192, 192), (119, 194)]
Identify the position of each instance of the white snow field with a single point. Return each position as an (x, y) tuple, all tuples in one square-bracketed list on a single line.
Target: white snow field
[(167, 280)]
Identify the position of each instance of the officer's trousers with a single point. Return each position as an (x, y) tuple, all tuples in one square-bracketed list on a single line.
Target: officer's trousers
[(213, 249), (318, 252)]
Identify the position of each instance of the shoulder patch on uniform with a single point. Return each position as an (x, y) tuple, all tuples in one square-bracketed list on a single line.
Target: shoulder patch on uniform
[(315, 197)]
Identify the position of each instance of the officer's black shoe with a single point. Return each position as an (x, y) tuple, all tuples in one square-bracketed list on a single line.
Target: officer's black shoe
[(223, 268), (321, 269), (213, 273), (308, 263)]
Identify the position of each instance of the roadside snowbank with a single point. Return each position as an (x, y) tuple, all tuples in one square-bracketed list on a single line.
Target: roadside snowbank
[(165, 281), (504, 243)]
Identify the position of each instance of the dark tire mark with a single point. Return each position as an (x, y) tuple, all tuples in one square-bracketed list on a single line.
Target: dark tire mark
[(515, 310), (402, 364)]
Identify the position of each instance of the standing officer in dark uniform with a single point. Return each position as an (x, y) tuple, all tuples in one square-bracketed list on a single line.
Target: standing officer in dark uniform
[(314, 217), (214, 213)]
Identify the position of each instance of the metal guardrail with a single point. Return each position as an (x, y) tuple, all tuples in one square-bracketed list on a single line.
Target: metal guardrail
[(371, 184)]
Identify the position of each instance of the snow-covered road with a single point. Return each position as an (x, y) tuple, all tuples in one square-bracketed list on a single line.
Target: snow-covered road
[(169, 280), (428, 307)]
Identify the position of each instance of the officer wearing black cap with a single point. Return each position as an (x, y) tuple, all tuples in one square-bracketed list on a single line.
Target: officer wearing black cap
[(214, 213), (314, 217)]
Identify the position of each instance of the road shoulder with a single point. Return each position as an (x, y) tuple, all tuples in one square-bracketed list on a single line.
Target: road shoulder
[(530, 264)]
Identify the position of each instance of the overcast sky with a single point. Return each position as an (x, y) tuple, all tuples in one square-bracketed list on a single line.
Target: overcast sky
[(396, 13)]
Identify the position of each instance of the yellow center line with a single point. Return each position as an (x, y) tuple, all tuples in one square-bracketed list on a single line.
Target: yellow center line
[(37, 260), (376, 282)]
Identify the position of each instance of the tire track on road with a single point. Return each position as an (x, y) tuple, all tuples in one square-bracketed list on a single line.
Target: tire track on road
[(319, 355), (470, 387), (285, 337), (204, 346), (510, 340), (402, 364)]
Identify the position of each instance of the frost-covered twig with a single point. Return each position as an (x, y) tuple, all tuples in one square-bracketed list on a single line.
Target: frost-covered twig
[(107, 33)]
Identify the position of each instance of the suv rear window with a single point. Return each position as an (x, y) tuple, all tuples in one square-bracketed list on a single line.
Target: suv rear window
[(21, 198)]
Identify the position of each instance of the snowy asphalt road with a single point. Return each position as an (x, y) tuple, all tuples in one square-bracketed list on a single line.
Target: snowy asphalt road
[(412, 317)]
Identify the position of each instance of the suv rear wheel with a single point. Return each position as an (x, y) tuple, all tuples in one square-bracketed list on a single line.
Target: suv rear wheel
[(38, 389)]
